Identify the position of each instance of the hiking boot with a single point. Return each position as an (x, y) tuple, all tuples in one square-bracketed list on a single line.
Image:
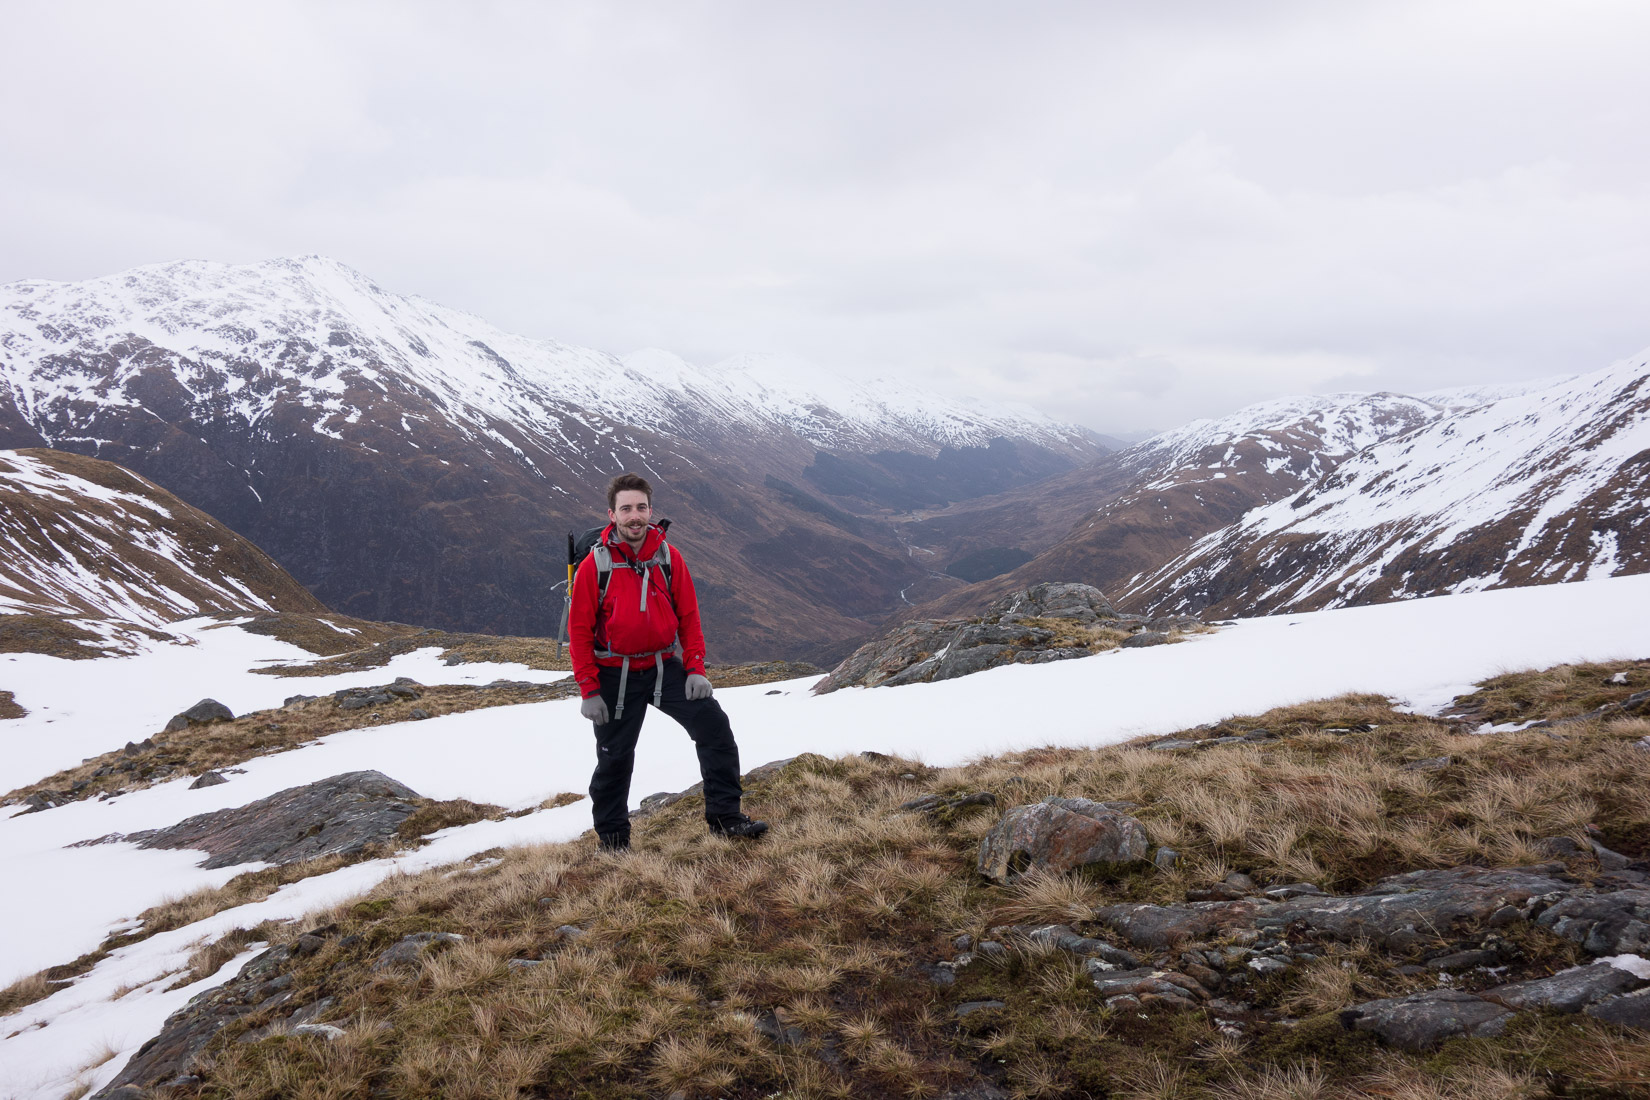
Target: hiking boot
[(614, 842), (737, 825)]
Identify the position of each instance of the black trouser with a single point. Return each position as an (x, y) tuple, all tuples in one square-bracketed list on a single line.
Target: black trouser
[(705, 722)]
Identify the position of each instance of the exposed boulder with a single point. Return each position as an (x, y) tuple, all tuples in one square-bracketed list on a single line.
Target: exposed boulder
[(408, 950), (1567, 991), (1059, 835), (1421, 907), (339, 815), (258, 987), (1603, 924), (1046, 622), (203, 713), (208, 779), (1423, 1020), (1158, 927), (1633, 1010)]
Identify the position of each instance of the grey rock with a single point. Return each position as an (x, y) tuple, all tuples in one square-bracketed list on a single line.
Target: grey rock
[(1610, 861), (208, 779), (202, 713), (1632, 1011), (1603, 924), (1421, 1021), (186, 1033), (1268, 964), (1060, 835), (1463, 960), (338, 815), (1430, 764), (322, 1031), (1162, 927), (418, 714), (409, 949), (968, 1008), (1293, 890), (1567, 991), (1172, 743), (934, 804), (1168, 985), (524, 964), (1063, 938), (1415, 909), (1144, 639), (1165, 859)]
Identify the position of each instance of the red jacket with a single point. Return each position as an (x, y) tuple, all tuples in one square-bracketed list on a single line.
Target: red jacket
[(622, 627)]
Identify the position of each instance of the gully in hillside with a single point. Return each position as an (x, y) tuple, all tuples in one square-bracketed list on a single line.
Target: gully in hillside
[(635, 638)]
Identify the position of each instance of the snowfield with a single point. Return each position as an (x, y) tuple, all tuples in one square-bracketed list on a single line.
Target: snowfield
[(1421, 652)]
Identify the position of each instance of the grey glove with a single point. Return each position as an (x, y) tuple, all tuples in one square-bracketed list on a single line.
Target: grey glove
[(595, 709), (698, 687)]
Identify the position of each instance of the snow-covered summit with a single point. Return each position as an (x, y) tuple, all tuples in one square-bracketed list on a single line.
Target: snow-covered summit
[(1546, 484), (323, 326)]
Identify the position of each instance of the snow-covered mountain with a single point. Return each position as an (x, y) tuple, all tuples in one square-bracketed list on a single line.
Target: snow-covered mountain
[(89, 551), (408, 461), (1541, 484), (1131, 511)]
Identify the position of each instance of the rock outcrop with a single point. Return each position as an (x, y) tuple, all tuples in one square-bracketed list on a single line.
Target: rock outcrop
[(336, 816), (1060, 835), (1046, 622)]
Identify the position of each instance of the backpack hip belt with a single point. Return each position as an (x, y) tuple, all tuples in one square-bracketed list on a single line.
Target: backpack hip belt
[(624, 674)]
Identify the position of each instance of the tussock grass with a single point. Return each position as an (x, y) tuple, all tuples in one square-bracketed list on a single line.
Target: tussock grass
[(1561, 692), (9, 707), (696, 950)]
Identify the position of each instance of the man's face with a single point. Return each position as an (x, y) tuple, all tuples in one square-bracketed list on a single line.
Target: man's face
[(631, 513)]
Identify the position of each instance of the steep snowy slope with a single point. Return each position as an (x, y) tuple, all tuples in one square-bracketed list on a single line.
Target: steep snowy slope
[(411, 462), (1547, 485), (1131, 511), (85, 541)]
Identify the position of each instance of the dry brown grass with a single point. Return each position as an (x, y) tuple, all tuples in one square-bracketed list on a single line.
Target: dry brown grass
[(9, 707), (824, 926), (1561, 692), (199, 749)]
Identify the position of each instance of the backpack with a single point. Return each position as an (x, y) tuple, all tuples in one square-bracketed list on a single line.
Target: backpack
[(591, 544)]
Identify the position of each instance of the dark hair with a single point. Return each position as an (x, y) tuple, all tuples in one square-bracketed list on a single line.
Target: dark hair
[(625, 483)]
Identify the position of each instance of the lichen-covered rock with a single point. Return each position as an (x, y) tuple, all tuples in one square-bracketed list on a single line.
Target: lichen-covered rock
[(1060, 835), (1423, 1020), (1146, 985), (1632, 1010), (1567, 991), (338, 815), (1008, 633), (1419, 908), (1603, 924), (409, 949), (1158, 927)]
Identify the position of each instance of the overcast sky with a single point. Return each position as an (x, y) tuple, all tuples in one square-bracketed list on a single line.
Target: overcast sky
[(1125, 214)]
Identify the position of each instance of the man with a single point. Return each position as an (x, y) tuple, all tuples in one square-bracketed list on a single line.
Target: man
[(625, 644)]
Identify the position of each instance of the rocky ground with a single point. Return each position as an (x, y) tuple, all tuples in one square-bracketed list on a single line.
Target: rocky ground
[(1333, 900), (1047, 622)]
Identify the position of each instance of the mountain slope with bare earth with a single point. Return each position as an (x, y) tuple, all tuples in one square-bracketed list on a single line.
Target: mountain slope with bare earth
[(91, 551), (1539, 487), (410, 462), (1129, 512)]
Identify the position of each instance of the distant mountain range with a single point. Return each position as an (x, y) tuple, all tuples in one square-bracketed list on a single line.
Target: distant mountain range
[(1357, 498), (410, 462), (1542, 485)]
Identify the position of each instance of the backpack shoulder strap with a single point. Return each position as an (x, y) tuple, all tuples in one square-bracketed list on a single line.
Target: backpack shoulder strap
[(604, 569)]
